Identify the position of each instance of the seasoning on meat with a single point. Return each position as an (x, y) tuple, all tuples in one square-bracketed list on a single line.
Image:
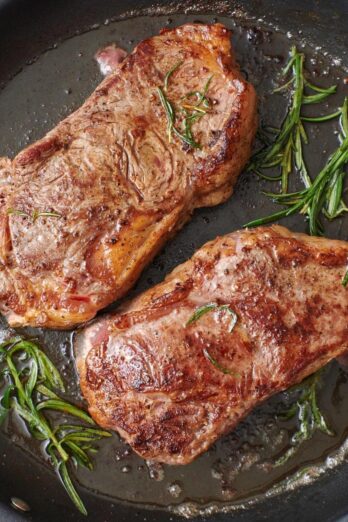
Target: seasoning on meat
[(106, 187), (171, 386)]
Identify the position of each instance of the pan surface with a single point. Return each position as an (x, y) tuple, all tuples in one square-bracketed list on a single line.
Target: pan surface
[(46, 71)]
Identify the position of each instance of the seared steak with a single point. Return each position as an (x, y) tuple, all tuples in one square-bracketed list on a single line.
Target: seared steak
[(86, 208), (171, 374)]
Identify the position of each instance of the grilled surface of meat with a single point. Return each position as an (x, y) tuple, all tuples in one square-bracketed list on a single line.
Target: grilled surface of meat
[(172, 388), (87, 207)]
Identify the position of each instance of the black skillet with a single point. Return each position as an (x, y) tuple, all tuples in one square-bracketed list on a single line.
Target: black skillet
[(39, 96)]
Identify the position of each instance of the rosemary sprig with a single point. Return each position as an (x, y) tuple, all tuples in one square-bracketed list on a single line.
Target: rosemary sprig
[(286, 149), (324, 195), (29, 380), (35, 214), (194, 106), (309, 416)]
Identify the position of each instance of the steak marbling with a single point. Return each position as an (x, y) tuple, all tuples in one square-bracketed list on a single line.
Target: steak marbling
[(171, 388), (116, 186)]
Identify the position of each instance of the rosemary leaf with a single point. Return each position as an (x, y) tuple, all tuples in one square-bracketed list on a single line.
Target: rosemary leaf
[(316, 98), (283, 459), (6, 398), (5, 403), (318, 119), (217, 365), (325, 90), (50, 372), (16, 212), (169, 74), (318, 417), (69, 487), (169, 110), (285, 86), (345, 279), (36, 214), (334, 203), (46, 391), (201, 311), (81, 436), (3, 413), (33, 375), (59, 405), (79, 454), (95, 433), (344, 118), (268, 178), (22, 397), (28, 416)]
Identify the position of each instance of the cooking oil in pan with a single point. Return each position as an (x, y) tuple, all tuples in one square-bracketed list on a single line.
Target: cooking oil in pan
[(239, 467)]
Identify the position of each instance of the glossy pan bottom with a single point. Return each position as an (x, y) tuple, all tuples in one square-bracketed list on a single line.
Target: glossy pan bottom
[(122, 486)]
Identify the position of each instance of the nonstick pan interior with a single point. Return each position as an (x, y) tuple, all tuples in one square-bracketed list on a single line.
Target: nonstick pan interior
[(40, 95)]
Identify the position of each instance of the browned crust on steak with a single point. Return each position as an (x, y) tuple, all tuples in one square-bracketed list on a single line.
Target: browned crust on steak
[(143, 371), (121, 189)]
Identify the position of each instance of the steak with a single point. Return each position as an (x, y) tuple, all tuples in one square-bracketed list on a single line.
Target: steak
[(87, 207), (249, 315)]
